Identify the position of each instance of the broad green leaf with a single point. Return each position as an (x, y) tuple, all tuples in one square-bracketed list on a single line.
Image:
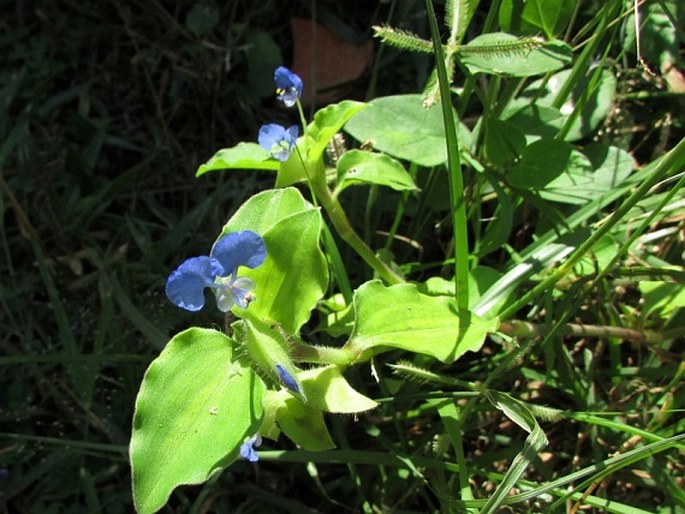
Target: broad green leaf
[(541, 162), (301, 423), (543, 92), (298, 166), (360, 167), (436, 286), (599, 258), (401, 317), (549, 15), (400, 126), (338, 321), (294, 275), (535, 121), (326, 389), (660, 24), (528, 17), (491, 53), (195, 407), (481, 278), (586, 180), (242, 156), (263, 210), (500, 292), (504, 142)]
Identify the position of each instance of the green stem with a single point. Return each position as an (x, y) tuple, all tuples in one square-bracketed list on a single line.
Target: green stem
[(346, 231), (675, 159), (303, 352), (461, 243)]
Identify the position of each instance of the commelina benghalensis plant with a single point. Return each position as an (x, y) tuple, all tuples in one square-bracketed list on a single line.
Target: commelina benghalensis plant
[(212, 397)]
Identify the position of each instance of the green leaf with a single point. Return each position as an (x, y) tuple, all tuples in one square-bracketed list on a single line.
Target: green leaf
[(263, 210), (326, 389), (311, 146), (243, 156), (535, 121), (541, 162), (301, 423), (548, 255), (549, 15), (328, 122), (360, 167), (586, 180), (294, 275), (195, 407), (593, 112), (497, 54), (504, 142), (528, 17), (660, 25), (400, 126), (401, 317)]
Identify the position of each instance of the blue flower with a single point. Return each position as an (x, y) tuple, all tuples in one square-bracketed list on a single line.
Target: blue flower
[(185, 286), (288, 86), (277, 140), (247, 449), (287, 379)]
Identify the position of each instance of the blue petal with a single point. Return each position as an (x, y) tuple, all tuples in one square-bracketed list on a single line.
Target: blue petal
[(247, 450), (288, 86), (287, 379), (278, 140), (244, 248), (270, 135), (185, 286), (291, 134)]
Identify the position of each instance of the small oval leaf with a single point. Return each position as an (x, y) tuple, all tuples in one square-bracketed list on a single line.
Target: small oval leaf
[(360, 167)]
